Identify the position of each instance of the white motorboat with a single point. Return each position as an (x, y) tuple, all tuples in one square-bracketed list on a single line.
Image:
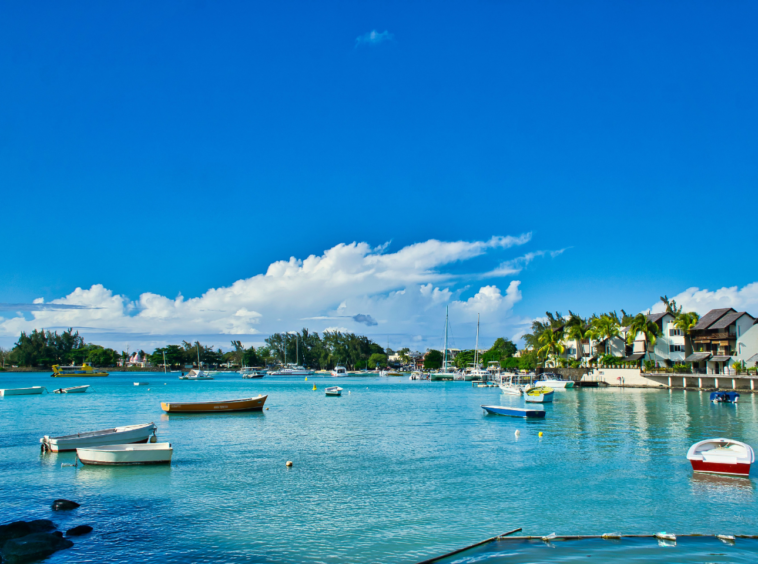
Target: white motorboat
[(196, 375), (539, 395), (339, 371), (510, 388), (554, 381), (334, 391), (142, 383), (126, 455), (721, 456), (73, 390), (118, 435), (34, 390), (249, 373), (292, 370)]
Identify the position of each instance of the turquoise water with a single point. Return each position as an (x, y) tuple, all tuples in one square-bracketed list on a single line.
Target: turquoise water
[(394, 471)]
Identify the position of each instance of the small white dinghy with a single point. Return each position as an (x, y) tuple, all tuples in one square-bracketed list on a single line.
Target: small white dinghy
[(72, 390), (721, 456), (334, 391), (118, 435), (126, 455), (142, 383), (23, 391)]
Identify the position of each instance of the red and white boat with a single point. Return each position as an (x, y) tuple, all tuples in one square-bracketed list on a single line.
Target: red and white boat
[(721, 456)]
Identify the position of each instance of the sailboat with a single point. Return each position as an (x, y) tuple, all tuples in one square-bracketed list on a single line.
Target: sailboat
[(476, 372), (292, 369), (196, 374), (447, 372)]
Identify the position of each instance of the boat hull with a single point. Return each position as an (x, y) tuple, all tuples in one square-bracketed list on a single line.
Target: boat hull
[(250, 404), (555, 384), (74, 390), (118, 435), (122, 455), (738, 469), (33, 391), (514, 411), (82, 375)]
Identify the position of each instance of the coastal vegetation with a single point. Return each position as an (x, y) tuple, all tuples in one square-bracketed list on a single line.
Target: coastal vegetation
[(45, 348)]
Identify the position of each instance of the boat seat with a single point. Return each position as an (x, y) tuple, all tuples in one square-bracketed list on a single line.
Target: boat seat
[(719, 457)]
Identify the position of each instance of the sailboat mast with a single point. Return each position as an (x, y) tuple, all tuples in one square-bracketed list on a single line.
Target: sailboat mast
[(476, 348), (198, 356), (447, 312), (297, 351), (164, 362)]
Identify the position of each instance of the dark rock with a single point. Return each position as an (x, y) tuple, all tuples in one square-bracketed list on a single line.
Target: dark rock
[(22, 528), (33, 547), (64, 505), (80, 530), (58, 534)]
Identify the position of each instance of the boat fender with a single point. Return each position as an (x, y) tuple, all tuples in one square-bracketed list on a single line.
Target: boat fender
[(267, 409), (153, 439)]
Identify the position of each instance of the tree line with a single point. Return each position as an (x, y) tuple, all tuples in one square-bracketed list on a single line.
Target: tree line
[(550, 336)]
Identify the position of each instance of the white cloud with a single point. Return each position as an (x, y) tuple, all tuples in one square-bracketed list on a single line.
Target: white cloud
[(373, 37), (350, 287), (701, 301), (514, 266)]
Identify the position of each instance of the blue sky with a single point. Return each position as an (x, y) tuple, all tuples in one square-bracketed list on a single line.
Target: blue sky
[(174, 148)]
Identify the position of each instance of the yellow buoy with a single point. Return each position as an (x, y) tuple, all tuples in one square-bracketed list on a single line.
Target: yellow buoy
[(306, 378), (314, 386), (267, 409), (540, 433)]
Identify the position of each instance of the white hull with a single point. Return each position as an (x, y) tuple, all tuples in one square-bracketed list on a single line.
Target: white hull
[(293, 373), (74, 390), (117, 435), (539, 398), (511, 389), (555, 384), (334, 391), (34, 390), (126, 455)]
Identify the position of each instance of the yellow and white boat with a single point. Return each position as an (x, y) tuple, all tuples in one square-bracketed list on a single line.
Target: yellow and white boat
[(83, 371)]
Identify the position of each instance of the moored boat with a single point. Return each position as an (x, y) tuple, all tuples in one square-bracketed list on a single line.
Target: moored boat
[(250, 373), (339, 371), (539, 394), (84, 371), (334, 391), (117, 435), (554, 381), (34, 390), (72, 390), (510, 388), (196, 375), (721, 456), (248, 404), (126, 455), (725, 397), (514, 411), (142, 383)]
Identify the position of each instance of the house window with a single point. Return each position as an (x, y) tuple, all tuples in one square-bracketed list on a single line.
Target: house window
[(739, 330), (676, 348), (675, 333)]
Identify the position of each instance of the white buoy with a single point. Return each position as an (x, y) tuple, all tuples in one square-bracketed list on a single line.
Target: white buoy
[(518, 433), (289, 464)]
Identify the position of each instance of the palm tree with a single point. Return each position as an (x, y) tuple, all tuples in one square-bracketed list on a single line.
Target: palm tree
[(577, 332), (551, 342), (686, 321), (607, 327), (649, 329)]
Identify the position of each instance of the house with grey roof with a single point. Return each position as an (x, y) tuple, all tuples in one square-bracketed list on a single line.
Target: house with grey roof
[(721, 338), (671, 345)]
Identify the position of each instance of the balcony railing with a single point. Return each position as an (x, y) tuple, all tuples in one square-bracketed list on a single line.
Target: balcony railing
[(714, 337)]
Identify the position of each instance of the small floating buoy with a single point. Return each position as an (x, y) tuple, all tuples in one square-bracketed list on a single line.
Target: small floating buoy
[(306, 378), (540, 434), (289, 464), (267, 409), (348, 392), (517, 433), (314, 386)]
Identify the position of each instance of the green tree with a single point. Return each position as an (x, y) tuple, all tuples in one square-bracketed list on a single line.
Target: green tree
[(685, 322), (641, 324), (433, 360), (551, 343), (377, 360), (606, 327)]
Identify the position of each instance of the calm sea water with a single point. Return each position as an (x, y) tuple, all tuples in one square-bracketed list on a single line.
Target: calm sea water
[(393, 471)]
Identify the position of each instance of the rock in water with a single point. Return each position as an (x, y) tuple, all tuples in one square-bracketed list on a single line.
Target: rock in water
[(80, 530), (64, 505), (33, 547), (22, 528), (42, 526)]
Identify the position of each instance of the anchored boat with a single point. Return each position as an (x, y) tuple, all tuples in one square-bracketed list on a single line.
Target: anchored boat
[(250, 404), (721, 456), (539, 395), (126, 455), (34, 390), (196, 375), (72, 390), (514, 411), (117, 435), (554, 381), (334, 391), (83, 371), (725, 397)]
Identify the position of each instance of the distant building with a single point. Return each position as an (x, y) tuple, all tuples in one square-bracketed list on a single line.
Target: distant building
[(721, 338)]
